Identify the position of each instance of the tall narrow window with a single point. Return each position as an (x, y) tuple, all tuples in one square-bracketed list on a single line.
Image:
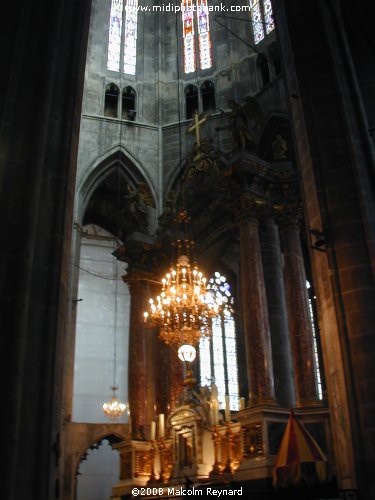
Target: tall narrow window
[(203, 32), (129, 34), (315, 341), (204, 39), (188, 35), (218, 355), (191, 99), (111, 100), (130, 45), (268, 16), (128, 104), (261, 18), (114, 40), (208, 96)]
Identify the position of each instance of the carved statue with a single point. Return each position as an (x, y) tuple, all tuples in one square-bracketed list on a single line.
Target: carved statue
[(279, 147), (244, 136), (137, 202), (204, 401), (169, 212)]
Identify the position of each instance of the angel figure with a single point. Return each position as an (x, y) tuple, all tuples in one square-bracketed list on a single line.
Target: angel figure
[(169, 212), (240, 116), (137, 202), (279, 147)]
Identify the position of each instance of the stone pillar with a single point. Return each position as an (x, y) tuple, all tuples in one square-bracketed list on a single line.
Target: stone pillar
[(277, 312), (44, 46), (169, 378), (299, 316), (176, 377), (137, 370), (255, 315), (162, 378)]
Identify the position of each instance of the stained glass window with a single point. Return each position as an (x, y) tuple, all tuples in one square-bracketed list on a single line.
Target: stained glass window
[(116, 33), (204, 40), (130, 45), (315, 343), (114, 40), (218, 355), (268, 16), (261, 18), (203, 30), (188, 36)]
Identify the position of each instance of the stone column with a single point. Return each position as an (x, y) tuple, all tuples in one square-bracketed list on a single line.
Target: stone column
[(137, 372), (176, 377), (37, 183), (277, 312), (162, 377), (299, 316), (255, 316)]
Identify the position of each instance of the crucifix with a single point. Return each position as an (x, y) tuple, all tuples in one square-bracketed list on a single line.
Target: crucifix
[(195, 128)]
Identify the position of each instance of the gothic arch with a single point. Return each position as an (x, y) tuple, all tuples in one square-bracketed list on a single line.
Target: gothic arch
[(112, 437), (131, 170), (128, 103), (111, 98), (191, 100)]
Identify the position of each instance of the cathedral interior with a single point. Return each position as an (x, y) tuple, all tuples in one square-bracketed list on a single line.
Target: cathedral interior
[(230, 144)]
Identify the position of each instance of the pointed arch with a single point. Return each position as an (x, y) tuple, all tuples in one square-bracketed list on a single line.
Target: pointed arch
[(111, 100), (208, 96), (129, 103), (119, 157), (191, 101)]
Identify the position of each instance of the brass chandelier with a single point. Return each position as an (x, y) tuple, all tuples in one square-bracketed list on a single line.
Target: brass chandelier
[(184, 309), (113, 408)]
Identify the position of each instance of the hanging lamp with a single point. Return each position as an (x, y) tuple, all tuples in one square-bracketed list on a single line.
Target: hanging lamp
[(184, 309), (114, 408)]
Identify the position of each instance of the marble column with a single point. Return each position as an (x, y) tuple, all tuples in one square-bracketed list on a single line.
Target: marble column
[(255, 316), (162, 376), (299, 316), (277, 312), (176, 377), (137, 371)]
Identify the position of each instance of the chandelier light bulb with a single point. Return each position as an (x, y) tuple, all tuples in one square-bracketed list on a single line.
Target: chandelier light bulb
[(187, 353), (113, 408)]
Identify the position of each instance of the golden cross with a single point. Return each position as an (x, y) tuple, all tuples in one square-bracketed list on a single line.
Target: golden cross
[(195, 127)]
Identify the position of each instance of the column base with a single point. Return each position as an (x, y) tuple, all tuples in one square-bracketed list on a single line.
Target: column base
[(263, 401), (307, 404)]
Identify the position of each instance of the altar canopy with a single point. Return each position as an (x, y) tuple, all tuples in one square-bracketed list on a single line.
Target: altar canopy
[(300, 459)]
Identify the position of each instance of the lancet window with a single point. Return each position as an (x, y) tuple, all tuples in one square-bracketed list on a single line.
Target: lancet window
[(218, 354), (315, 340), (123, 32), (261, 19), (196, 29)]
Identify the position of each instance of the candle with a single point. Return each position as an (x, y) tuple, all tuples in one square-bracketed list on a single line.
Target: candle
[(227, 409), (152, 431), (129, 422), (161, 425), (242, 403), (212, 418), (216, 413)]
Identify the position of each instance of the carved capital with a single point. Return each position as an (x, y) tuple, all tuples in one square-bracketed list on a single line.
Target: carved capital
[(138, 280), (250, 206), (289, 216)]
